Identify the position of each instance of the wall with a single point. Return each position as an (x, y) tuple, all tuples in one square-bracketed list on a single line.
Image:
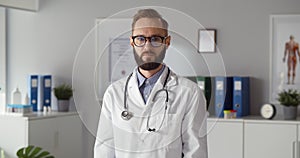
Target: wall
[(47, 41)]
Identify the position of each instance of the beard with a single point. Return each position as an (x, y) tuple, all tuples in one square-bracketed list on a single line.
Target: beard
[(149, 65)]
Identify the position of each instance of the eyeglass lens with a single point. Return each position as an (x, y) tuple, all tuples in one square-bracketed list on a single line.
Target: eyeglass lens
[(155, 41)]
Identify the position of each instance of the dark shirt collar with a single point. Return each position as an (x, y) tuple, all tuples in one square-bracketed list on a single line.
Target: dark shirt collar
[(141, 79)]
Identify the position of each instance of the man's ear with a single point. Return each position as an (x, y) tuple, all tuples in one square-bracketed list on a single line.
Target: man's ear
[(131, 41), (168, 41)]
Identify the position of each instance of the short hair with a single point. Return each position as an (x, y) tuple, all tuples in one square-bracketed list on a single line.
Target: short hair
[(149, 13), (291, 37)]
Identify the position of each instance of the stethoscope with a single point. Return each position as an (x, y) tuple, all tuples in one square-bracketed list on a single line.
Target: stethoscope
[(127, 115)]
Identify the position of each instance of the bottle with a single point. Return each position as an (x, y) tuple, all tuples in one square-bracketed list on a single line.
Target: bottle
[(233, 113), (45, 110), (26, 100), (227, 114), (16, 97), (2, 154), (2, 101)]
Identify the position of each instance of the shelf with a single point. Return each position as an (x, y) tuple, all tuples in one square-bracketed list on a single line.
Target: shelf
[(255, 119), (37, 115)]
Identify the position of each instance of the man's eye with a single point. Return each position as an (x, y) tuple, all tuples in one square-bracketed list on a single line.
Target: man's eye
[(140, 38), (155, 39)]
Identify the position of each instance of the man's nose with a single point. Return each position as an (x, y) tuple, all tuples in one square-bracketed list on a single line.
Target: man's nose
[(147, 43)]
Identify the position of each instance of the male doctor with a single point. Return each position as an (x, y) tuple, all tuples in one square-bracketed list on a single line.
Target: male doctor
[(152, 113)]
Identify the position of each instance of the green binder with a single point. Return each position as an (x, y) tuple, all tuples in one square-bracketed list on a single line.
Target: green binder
[(206, 85)]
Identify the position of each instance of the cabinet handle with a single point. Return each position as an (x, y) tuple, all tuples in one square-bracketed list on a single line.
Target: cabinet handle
[(295, 144), (56, 137), (297, 147), (293, 150)]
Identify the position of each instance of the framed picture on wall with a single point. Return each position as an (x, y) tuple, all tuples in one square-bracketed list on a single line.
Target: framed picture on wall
[(284, 54), (31, 5), (207, 39)]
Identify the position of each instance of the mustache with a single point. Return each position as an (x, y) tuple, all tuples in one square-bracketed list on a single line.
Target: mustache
[(148, 53)]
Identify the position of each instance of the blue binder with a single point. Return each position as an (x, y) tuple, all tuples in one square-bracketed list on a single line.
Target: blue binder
[(33, 83), (241, 95), (47, 85), (223, 94)]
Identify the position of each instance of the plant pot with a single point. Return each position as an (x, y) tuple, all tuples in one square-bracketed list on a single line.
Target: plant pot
[(290, 112), (63, 105)]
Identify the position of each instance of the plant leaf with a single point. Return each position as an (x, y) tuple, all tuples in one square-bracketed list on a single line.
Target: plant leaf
[(42, 154), (28, 149), (35, 152), (20, 153)]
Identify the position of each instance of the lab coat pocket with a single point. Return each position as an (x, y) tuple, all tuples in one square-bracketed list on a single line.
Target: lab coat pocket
[(170, 128), (164, 121), (168, 121)]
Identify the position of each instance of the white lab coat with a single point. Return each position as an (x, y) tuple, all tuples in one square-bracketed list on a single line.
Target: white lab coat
[(182, 131)]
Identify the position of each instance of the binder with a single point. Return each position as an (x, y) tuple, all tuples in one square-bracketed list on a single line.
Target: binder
[(241, 95), (223, 94), (33, 82), (46, 86), (206, 84)]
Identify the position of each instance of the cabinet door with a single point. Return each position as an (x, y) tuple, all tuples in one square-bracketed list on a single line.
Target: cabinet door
[(70, 137), (12, 135), (225, 139), (43, 133), (264, 140), (61, 136)]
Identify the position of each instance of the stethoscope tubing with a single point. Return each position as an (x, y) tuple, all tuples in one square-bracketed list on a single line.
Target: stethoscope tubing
[(127, 115)]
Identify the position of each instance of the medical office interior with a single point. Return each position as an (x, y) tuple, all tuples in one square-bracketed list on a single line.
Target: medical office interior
[(46, 39)]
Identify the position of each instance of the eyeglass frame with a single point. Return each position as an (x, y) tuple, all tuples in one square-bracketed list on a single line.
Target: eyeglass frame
[(149, 39)]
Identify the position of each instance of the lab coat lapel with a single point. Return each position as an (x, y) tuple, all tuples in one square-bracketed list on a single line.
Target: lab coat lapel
[(171, 81), (134, 92)]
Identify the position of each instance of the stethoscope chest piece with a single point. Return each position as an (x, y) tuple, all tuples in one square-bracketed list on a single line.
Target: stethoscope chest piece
[(126, 115)]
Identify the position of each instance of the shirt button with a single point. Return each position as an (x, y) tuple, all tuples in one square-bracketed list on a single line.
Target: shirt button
[(147, 82)]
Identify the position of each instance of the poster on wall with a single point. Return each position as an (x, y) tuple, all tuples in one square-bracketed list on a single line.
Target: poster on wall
[(114, 56), (121, 59), (284, 54)]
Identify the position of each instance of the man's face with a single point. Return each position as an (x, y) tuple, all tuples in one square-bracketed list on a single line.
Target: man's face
[(149, 57)]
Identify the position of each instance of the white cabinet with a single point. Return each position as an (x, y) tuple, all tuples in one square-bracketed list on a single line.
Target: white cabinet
[(58, 133), (270, 139), (225, 138), (253, 137)]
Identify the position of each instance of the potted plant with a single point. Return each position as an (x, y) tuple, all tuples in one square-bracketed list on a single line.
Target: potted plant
[(290, 99), (33, 152), (63, 93)]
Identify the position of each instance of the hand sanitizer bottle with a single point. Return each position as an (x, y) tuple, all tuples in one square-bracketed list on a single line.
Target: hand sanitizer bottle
[(16, 97)]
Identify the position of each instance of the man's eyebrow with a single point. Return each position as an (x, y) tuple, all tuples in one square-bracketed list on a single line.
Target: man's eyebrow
[(151, 35)]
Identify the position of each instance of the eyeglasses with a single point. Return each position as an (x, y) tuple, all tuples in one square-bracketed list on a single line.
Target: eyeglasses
[(140, 41)]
